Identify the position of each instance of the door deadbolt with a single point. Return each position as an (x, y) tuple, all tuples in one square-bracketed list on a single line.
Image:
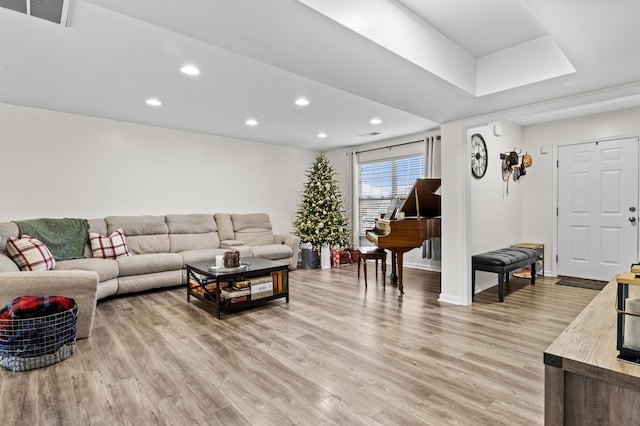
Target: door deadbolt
[(632, 209)]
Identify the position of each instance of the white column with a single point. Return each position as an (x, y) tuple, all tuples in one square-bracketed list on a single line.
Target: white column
[(456, 244)]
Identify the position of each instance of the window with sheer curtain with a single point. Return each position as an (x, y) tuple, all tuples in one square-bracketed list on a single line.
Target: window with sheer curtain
[(382, 180)]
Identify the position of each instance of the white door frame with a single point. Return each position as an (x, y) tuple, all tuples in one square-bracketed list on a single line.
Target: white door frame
[(554, 204)]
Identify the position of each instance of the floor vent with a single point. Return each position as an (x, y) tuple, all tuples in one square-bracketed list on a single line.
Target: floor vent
[(56, 11)]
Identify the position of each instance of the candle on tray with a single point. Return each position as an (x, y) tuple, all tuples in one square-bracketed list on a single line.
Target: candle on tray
[(220, 261)]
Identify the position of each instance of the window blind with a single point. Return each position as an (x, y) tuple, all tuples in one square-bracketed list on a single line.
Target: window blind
[(382, 180)]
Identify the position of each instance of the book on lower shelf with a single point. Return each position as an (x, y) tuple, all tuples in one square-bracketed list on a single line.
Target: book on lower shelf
[(231, 293), (261, 287), (279, 279), (261, 280), (242, 284)]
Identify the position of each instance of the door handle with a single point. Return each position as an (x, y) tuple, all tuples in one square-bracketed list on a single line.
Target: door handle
[(632, 219)]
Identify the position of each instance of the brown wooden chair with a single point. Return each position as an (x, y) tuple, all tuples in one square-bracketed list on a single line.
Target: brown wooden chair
[(372, 253)]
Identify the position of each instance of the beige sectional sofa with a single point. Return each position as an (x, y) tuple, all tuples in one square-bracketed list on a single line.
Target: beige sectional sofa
[(160, 247)]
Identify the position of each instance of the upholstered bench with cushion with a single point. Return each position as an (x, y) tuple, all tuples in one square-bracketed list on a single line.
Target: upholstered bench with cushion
[(503, 262)]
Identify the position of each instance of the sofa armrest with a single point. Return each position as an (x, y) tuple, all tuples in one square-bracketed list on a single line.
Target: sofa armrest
[(293, 242), (82, 286)]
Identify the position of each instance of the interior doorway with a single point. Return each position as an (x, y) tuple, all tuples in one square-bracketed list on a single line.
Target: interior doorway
[(597, 214)]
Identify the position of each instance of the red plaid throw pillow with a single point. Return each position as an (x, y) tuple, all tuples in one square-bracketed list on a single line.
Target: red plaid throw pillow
[(110, 247), (30, 254)]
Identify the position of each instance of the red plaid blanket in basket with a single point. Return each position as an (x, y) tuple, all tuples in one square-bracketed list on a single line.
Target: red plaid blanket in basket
[(37, 331), (35, 306)]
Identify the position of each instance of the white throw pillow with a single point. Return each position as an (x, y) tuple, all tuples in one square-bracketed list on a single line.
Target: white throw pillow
[(110, 247), (30, 254)]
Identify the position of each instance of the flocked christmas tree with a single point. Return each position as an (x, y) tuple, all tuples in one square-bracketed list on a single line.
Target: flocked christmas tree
[(320, 219)]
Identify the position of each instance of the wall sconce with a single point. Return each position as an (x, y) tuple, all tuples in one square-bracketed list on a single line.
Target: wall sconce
[(628, 327)]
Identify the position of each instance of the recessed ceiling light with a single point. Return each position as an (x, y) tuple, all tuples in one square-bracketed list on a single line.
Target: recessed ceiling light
[(251, 122), (153, 102), (322, 135), (302, 101), (190, 70), (375, 121)]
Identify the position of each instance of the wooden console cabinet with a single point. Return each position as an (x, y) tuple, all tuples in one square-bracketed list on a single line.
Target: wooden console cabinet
[(585, 383)]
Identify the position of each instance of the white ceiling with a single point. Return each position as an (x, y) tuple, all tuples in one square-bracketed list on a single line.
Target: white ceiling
[(412, 63)]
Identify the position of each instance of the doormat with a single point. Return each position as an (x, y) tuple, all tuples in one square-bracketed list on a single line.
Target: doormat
[(582, 283)]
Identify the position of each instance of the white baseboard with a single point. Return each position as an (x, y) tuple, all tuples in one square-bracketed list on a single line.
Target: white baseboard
[(485, 285), (454, 300), (434, 268)]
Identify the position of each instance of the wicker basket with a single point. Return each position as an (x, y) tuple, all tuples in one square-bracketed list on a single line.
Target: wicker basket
[(37, 342)]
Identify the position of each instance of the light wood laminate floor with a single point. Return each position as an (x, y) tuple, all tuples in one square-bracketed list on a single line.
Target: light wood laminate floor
[(336, 354)]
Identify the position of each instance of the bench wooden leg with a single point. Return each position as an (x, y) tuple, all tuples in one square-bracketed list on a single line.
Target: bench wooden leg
[(364, 270), (384, 269), (501, 286)]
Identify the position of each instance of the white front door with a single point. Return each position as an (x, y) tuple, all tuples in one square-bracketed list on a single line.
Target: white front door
[(598, 208)]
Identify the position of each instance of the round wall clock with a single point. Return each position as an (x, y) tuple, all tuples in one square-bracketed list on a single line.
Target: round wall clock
[(478, 156)]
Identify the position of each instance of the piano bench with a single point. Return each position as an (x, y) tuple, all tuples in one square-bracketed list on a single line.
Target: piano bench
[(374, 253), (502, 262)]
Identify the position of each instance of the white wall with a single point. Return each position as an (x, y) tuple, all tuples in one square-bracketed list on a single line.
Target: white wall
[(64, 165), (495, 215)]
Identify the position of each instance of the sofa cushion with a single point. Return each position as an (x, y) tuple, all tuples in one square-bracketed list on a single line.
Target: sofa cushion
[(135, 283), (148, 263), (7, 265), (253, 228), (225, 226), (30, 254), (192, 232), (110, 247), (273, 251), (97, 225), (106, 269), (200, 255), (184, 242), (145, 234), (190, 223)]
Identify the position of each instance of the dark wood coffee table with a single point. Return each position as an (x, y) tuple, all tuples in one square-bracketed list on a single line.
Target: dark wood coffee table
[(215, 285)]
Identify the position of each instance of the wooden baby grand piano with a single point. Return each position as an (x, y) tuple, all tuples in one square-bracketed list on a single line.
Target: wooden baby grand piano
[(421, 222)]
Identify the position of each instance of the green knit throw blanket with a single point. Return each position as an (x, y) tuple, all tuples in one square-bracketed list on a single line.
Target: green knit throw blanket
[(65, 238)]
